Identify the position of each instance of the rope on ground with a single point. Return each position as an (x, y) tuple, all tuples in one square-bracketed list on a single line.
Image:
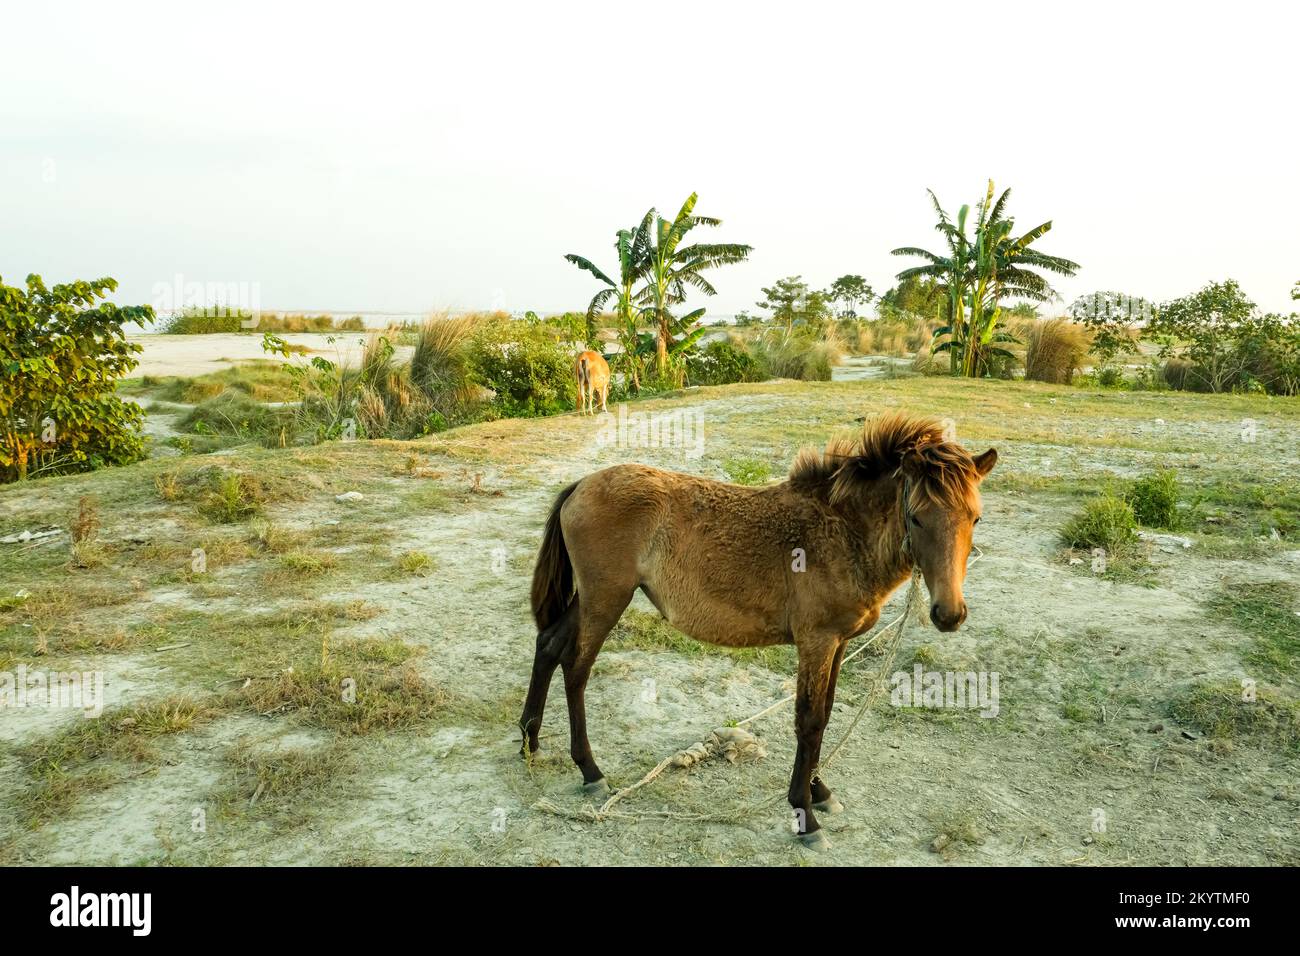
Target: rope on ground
[(734, 743)]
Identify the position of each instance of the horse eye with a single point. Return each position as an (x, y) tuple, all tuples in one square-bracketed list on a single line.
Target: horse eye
[(915, 521), (976, 521)]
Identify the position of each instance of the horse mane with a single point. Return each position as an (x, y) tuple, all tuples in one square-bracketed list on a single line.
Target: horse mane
[(942, 472)]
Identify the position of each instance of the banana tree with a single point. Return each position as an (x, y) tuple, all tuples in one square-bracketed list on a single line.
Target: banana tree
[(979, 273), (952, 272), (632, 246), (671, 269)]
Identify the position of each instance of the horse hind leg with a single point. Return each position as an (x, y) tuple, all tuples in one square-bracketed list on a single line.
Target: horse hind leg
[(596, 620), (551, 645), (815, 664)]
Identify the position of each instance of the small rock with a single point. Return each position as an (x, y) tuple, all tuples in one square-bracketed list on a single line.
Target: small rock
[(1156, 729), (940, 842), (349, 496)]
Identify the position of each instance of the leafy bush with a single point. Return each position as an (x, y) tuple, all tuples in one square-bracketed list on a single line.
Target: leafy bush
[(203, 321), (530, 373), (722, 362), (1223, 343), (1110, 376), (1112, 318), (1106, 522), (61, 355), (1154, 500)]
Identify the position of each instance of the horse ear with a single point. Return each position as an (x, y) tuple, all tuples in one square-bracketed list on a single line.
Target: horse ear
[(984, 463)]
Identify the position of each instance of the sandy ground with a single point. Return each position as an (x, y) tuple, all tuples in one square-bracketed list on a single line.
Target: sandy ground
[(1030, 784), (191, 355)]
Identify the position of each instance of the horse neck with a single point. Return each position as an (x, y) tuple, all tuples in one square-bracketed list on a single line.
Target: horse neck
[(884, 531)]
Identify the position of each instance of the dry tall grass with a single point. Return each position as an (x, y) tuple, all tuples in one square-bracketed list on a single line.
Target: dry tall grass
[(1055, 350)]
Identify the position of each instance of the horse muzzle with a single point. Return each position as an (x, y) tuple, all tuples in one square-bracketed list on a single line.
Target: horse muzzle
[(947, 619)]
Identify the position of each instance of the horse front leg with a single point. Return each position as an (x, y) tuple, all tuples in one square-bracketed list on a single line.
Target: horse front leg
[(816, 662), (823, 800)]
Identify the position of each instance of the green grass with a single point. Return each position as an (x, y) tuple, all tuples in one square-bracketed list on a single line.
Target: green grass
[(283, 787), (349, 689), (1221, 712), (415, 563), (645, 631), (1266, 613), (77, 762), (747, 471)]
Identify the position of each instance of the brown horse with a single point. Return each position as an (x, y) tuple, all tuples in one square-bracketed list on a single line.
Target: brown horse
[(593, 379), (809, 562)]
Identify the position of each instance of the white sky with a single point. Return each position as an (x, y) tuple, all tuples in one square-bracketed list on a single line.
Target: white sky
[(378, 157)]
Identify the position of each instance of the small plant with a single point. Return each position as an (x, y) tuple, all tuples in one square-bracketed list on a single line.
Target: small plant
[(1106, 522), (86, 524), (308, 562), (747, 471), (234, 498), (85, 552), (1154, 500), (168, 485), (415, 562)]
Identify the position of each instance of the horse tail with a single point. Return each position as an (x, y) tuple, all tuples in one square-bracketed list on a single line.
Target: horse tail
[(553, 576)]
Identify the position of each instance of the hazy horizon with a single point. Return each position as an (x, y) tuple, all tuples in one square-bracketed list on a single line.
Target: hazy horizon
[(408, 161)]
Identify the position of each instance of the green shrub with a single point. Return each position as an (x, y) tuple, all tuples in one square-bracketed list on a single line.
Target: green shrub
[(1154, 500), (62, 355), (530, 373), (1110, 376), (722, 362), (1106, 522), (203, 321)]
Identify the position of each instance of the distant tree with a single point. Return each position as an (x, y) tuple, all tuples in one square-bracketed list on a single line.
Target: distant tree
[(792, 302), (1216, 329), (917, 295), (1115, 320), (850, 290), (1024, 310), (61, 355)]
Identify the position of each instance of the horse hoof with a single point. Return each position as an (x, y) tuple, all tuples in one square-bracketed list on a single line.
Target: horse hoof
[(816, 841), (829, 805), (596, 787)]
